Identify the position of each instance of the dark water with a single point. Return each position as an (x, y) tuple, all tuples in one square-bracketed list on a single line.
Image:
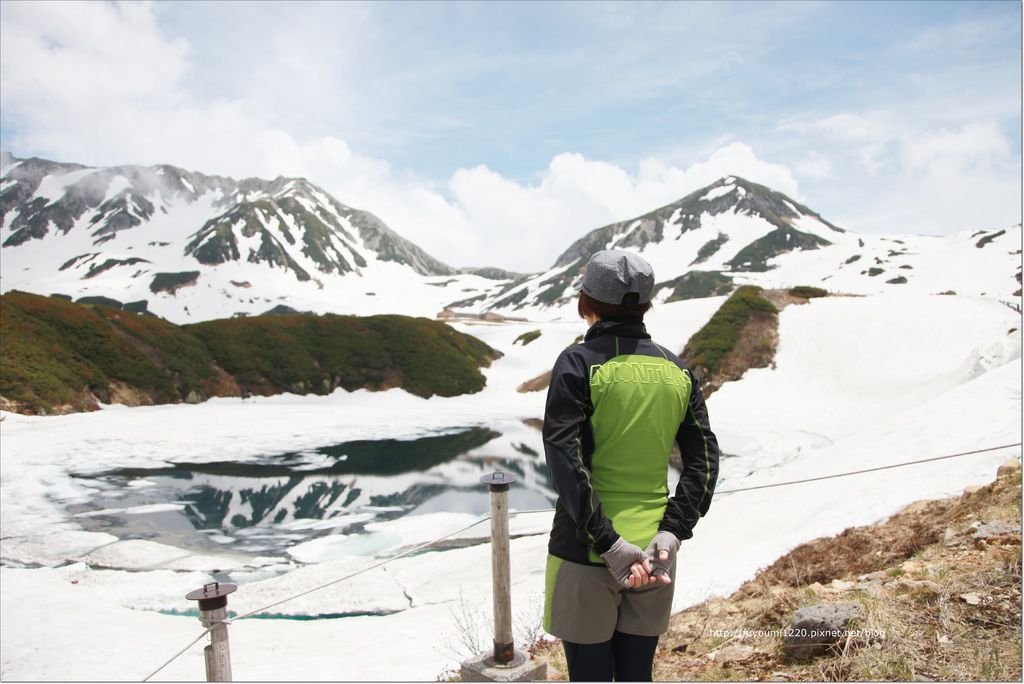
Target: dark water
[(265, 506)]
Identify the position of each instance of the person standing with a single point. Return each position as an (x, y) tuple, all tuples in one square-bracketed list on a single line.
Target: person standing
[(616, 404)]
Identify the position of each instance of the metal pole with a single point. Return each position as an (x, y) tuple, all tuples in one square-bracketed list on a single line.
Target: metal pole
[(501, 575), (213, 610)]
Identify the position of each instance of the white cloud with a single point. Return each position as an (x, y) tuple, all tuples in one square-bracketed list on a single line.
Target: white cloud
[(872, 157), (961, 179), (911, 174), (123, 92), (528, 226), (844, 126), (49, 65), (814, 165), (952, 151), (483, 218), (59, 82)]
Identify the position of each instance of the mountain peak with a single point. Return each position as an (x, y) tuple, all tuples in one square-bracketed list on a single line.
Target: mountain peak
[(729, 194), (110, 225), (732, 225)]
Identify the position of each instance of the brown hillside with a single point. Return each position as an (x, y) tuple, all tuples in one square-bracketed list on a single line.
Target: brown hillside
[(939, 584)]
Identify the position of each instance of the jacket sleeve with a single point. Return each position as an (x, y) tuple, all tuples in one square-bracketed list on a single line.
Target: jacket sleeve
[(699, 448), (565, 418)]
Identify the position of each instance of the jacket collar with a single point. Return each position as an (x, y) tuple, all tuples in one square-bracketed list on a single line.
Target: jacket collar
[(629, 328)]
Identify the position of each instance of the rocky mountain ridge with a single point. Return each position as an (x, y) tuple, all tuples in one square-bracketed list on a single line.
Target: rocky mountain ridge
[(42, 195), (192, 247), (200, 246), (735, 232)]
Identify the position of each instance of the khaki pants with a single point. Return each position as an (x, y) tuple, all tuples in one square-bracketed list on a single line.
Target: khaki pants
[(585, 605)]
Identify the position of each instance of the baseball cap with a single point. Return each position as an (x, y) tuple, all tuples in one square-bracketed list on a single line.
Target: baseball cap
[(613, 274)]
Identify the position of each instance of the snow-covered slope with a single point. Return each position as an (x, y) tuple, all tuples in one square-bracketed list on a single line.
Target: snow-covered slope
[(898, 375), (197, 247), (859, 382), (735, 232)]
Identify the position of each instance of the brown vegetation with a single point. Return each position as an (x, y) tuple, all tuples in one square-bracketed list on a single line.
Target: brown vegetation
[(939, 582), (536, 384), (756, 343)]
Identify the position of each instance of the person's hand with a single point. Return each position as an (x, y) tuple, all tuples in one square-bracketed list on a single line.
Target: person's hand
[(627, 564), (661, 552), (640, 574)]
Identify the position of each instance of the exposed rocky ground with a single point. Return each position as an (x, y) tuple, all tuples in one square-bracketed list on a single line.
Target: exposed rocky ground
[(935, 592)]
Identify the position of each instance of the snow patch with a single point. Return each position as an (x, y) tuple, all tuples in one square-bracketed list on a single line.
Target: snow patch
[(135, 510), (53, 186), (134, 554), (715, 193), (117, 185), (54, 548), (10, 167)]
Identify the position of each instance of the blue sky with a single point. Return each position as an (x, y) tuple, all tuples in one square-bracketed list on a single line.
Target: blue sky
[(498, 133)]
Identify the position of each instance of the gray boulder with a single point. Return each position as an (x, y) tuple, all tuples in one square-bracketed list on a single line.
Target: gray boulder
[(816, 629), (994, 528)]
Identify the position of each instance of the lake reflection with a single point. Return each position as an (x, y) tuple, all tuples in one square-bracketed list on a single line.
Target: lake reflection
[(265, 505)]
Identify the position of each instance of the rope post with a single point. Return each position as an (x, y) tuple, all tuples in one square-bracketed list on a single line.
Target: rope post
[(501, 573), (503, 664), (213, 610)]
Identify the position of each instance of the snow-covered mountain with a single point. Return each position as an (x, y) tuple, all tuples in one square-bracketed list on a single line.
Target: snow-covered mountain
[(197, 247), (735, 232)]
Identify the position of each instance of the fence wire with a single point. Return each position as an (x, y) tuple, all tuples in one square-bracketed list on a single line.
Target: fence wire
[(485, 518)]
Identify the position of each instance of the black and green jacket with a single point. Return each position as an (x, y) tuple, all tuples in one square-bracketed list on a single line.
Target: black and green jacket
[(616, 403)]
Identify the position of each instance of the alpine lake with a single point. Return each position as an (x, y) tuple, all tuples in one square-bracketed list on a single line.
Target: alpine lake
[(271, 505)]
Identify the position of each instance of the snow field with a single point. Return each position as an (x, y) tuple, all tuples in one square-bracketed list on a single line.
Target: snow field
[(858, 383)]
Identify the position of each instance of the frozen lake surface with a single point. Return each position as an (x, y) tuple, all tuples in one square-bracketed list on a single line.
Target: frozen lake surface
[(278, 504)]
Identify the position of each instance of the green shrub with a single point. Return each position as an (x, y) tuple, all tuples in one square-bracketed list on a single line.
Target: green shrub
[(989, 238), (697, 285), (709, 248), (807, 292), (514, 299), (755, 256), (171, 282), (318, 353), (527, 337), (100, 301), (55, 352), (709, 346)]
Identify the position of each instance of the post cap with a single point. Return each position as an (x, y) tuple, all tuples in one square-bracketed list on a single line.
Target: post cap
[(212, 596), (498, 481)]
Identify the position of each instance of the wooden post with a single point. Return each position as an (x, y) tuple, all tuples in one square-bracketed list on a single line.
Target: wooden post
[(213, 610), (501, 573), (504, 664)]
